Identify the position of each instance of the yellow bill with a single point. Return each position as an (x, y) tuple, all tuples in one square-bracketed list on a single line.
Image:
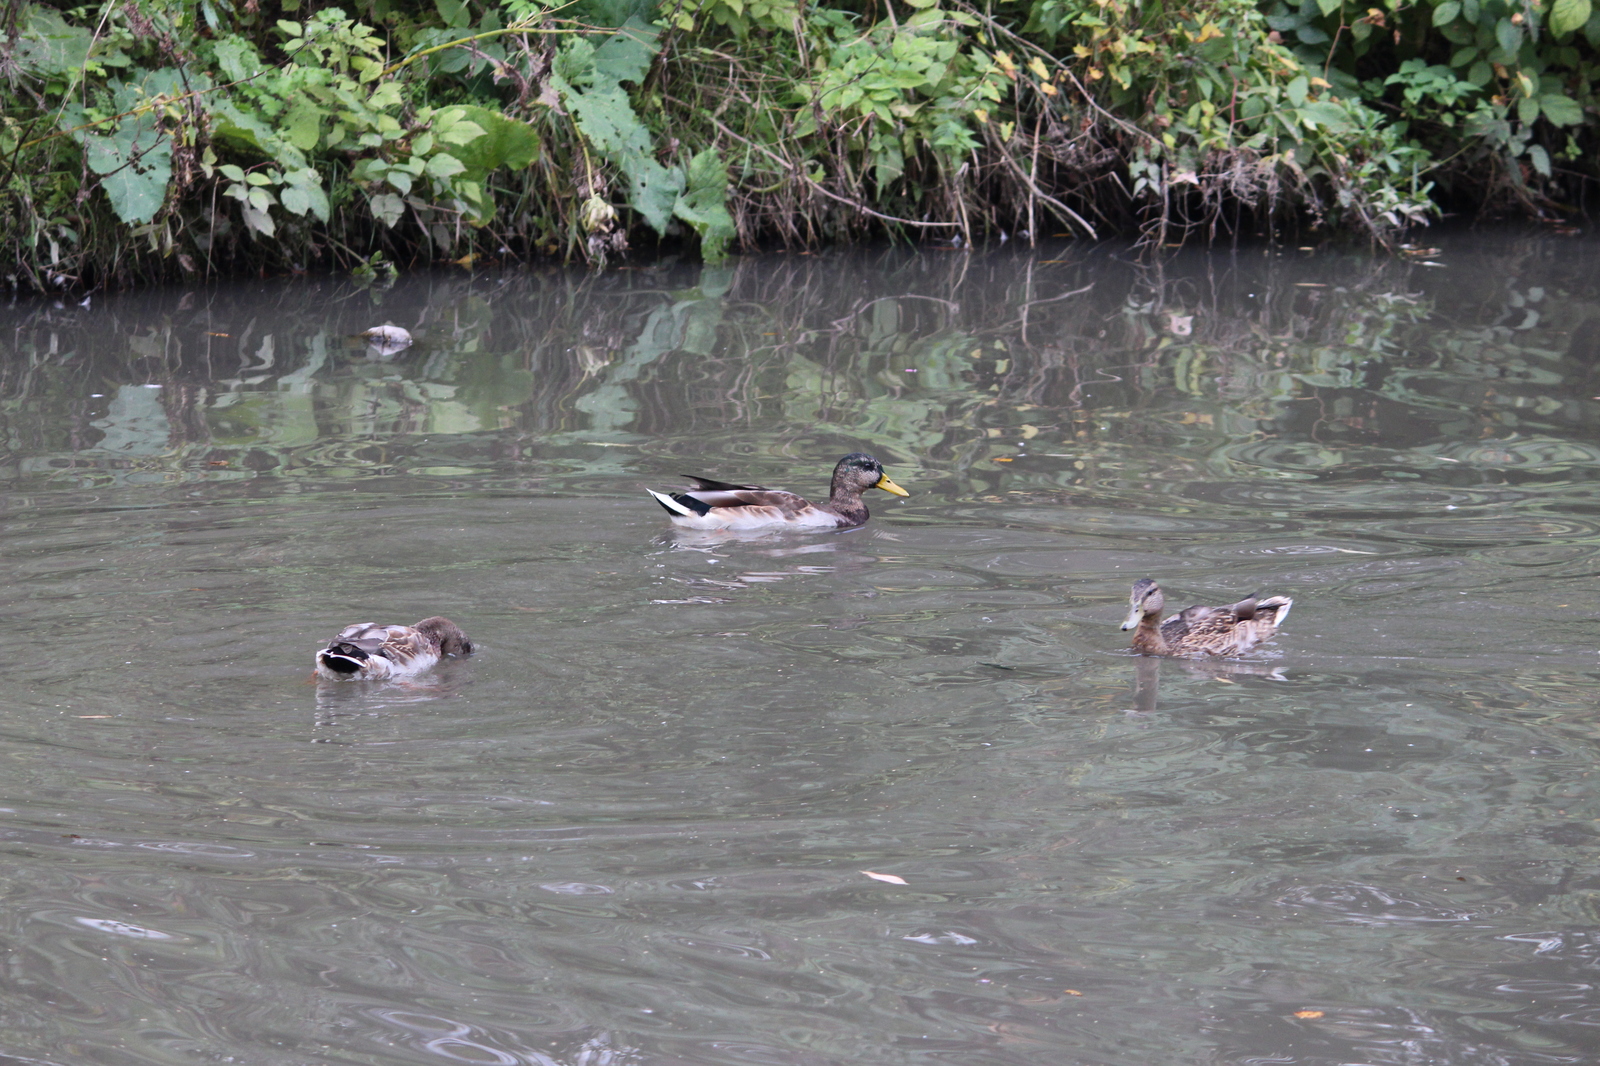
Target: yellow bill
[(888, 486)]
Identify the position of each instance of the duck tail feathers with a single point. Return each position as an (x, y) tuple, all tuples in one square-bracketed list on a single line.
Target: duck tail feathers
[(1281, 604), (686, 506), (342, 660)]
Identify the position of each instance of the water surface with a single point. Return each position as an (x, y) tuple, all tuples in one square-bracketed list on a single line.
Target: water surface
[(635, 829)]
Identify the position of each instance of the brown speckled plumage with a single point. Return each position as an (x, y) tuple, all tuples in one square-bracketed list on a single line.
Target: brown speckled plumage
[(1200, 631), (367, 651)]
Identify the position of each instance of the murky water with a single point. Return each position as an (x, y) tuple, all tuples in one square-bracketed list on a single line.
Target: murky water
[(634, 830)]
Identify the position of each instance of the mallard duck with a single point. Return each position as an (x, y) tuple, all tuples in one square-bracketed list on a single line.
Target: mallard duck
[(1200, 631), (719, 505), (367, 651)]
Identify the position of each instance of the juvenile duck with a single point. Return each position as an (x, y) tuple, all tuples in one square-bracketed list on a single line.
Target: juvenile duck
[(369, 652), (1201, 631), (719, 505)]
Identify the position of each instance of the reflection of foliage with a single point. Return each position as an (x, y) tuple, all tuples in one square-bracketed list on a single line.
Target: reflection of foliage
[(1080, 373)]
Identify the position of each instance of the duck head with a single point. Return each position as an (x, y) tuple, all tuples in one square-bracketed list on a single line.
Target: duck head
[(1146, 600), (858, 472)]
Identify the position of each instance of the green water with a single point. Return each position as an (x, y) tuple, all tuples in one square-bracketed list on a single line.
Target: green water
[(634, 829)]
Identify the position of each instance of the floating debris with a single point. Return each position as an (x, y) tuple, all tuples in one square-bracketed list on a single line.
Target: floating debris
[(385, 340)]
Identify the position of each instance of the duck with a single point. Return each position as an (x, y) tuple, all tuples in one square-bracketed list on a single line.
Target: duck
[(1197, 632), (720, 505), (367, 651)]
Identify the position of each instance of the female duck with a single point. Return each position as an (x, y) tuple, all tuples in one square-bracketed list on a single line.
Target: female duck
[(719, 505), (370, 652), (1201, 631)]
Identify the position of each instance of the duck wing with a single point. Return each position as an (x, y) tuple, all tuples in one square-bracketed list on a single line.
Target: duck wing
[(1230, 630), (360, 641), (405, 645), (745, 508), (1181, 626), (705, 484), (786, 502)]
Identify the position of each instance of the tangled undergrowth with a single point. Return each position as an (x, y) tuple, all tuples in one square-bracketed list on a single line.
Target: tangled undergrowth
[(149, 139)]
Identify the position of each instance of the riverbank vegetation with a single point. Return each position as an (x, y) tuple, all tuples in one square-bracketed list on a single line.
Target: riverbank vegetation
[(148, 139)]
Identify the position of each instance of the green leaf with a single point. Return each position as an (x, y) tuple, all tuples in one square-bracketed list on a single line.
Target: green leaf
[(1540, 159), (443, 165), (1329, 116), (242, 128), (653, 191), (627, 54), (231, 172), (1527, 110), (1295, 90), (47, 45), (605, 116), (919, 4), (1446, 12), (506, 142), (236, 58), (454, 13), (1509, 36), (1569, 15), (463, 132), (302, 127), (259, 220), (295, 200), (135, 164), (386, 208), (704, 205), (1481, 73), (1561, 110), (1328, 7)]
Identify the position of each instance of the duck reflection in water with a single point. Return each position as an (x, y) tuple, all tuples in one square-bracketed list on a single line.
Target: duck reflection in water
[(339, 705), (1147, 678)]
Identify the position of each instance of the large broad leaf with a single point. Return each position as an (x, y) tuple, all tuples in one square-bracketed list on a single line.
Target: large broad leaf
[(1569, 15), (242, 128), (627, 54), (133, 158), (704, 205), (506, 142), (136, 164), (302, 126), (614, 12), (606, 118), (45, 44)]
